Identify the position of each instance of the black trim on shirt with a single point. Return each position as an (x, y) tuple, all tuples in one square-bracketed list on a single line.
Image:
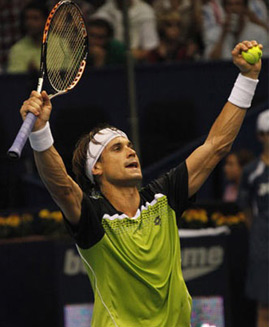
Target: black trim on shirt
[(89, 229)]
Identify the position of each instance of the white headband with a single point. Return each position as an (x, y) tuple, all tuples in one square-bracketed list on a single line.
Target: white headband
[(103, 137)]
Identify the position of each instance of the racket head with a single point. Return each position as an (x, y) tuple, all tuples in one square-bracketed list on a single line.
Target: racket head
[(64, 47)]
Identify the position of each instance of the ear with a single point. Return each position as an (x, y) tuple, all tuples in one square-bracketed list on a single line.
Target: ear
[(97, 169)]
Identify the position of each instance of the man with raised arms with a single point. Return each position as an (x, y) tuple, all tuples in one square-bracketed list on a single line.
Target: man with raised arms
[(126, 237)]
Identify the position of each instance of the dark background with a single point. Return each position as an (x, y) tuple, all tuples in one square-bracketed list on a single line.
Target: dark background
[(177, 104)]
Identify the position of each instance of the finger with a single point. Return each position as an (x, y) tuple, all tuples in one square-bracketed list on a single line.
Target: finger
[(237, 49), (35, 94), (45, 98), (250, 44), (30, 108), (244, 46), (254, 43), (36, 103), (33, 105)]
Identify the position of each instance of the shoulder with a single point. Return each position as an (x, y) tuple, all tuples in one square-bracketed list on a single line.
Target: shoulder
[(173, 177), (142, 10), (107, 9), (22, 43), (253, 170), (251, 166)]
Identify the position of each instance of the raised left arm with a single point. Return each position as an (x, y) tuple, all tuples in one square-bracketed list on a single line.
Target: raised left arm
[(226, 127)]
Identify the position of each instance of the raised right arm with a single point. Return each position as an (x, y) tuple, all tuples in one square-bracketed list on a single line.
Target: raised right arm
[(63, 189)]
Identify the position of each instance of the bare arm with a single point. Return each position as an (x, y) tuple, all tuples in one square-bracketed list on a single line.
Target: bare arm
[(224, 130), (65, 192)]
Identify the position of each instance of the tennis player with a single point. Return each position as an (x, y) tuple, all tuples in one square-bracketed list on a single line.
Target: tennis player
[(126, 237)]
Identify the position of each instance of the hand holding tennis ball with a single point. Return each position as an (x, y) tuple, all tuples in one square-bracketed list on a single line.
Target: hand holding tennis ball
[(252, 55)]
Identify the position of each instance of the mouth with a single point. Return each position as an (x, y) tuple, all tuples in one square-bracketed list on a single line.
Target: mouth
[(132, 165)]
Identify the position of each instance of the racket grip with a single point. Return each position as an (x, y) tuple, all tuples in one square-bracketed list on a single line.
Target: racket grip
[(26, 128)]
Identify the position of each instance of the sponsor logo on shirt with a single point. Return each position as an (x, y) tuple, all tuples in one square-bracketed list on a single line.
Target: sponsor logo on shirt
[(157, 221)]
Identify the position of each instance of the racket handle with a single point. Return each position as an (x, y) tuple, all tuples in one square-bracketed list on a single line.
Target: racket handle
[(15, 151)]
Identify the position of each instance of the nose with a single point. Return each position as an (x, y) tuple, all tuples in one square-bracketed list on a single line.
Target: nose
[(131, 152)]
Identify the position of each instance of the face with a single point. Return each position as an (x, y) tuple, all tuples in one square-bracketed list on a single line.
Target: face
[(119, 164), (264, 139), (97, 36), (234, 6), (172, 30), (232, 168), (34, 22)]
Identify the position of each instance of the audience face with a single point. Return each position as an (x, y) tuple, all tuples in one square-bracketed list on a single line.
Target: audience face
[(234, 6), (172, 30), (98, 36), (264, 139), (232, 168), (34, 22)]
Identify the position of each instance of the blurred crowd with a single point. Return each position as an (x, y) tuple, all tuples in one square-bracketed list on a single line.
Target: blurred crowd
[(161, 31)]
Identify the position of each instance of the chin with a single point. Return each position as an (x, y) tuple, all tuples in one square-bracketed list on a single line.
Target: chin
[(132, 181)]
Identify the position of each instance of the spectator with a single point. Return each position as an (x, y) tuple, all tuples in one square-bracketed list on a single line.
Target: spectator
[(190, 12), (88, 8), (224, 26), (24, 55), (143, 30), (10, 27), (254, 199), (234, 163), (95, 5), (103, 49), (171, 47), (258, 13)]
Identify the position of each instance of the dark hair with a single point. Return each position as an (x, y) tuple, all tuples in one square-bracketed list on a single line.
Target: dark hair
[(79, 160), (99, 22), (224, 2), (164, 17), (244, 156), (36, 5)]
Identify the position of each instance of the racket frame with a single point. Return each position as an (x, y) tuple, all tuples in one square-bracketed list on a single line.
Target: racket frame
[(15, 150)]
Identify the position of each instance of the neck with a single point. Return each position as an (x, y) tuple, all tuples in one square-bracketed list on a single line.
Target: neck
[(170, 45), (237, 181), (265, 156), (36, 38), (123, 199)]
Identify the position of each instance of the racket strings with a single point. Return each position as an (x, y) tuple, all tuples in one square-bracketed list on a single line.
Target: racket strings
[(65, 47), (64, 72)]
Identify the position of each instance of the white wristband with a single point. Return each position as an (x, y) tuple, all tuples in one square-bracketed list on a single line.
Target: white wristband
[(243, 91), (41, 140)]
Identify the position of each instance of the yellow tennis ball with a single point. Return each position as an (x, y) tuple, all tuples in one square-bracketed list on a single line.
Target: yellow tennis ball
[(253, 55)]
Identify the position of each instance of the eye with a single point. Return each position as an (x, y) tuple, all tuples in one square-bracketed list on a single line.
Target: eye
[(116, 147), (130, 145)]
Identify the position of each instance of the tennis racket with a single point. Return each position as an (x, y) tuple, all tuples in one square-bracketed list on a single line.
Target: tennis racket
[(63, 59)]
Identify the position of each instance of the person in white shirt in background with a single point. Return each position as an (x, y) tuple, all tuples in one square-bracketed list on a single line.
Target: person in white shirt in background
[(227, 21), (260, 11), (190, 12), (143, 30)]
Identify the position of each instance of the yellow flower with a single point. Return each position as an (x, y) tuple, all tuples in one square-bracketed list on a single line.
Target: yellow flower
[(13, 221)]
